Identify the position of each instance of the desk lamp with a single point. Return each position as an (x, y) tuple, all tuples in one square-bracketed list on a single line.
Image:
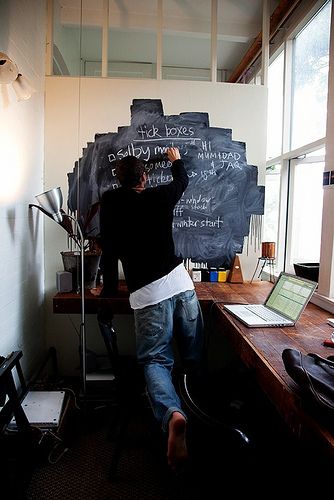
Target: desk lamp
[(50, 203)]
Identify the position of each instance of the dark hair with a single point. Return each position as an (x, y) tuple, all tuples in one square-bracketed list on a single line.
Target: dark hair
[(129, 171)]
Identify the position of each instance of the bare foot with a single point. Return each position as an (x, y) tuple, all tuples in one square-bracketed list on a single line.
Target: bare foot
[(177, 449)]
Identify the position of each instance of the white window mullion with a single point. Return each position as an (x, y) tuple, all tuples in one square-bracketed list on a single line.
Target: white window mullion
[(214, 10), (49, 39), (326, 271), (159, 38), (283, 214), (287, 97), (105, 38), (265, 42)]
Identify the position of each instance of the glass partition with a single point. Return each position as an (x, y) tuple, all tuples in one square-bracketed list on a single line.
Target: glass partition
[(239, 23), (125, 34), (132, 38), (186, 52), (77, 37)]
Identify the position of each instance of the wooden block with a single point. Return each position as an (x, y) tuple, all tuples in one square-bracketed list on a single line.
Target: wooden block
[(235, 274)]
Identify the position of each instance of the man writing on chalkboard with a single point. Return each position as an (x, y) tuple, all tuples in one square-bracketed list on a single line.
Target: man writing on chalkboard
[(136, 227)]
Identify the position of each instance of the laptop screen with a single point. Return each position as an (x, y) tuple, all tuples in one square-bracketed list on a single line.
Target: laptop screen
[(290, 295)]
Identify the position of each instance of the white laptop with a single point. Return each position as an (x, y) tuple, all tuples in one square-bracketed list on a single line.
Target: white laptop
[(283, 306)]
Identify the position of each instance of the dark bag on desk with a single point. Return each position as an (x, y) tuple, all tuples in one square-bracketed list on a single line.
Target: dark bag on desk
[(313, 374)]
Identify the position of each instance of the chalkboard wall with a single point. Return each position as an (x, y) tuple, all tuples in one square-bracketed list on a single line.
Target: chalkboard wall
[(213, 216)]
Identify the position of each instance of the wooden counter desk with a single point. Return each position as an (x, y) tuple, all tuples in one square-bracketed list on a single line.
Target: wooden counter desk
[(259, 348), (208, 294)]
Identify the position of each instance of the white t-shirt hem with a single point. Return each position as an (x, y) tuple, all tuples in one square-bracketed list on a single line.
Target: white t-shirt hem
[(177, 281)]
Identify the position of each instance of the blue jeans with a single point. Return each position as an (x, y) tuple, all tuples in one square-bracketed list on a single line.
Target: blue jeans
[(180, 317)]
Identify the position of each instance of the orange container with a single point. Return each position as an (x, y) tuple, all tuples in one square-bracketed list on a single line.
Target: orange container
[(268, 249)]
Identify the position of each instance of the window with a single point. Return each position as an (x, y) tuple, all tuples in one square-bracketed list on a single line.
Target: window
[(271, 205), (310, 80), (275, 107), (305, 210), (293, 207), (297, 114)]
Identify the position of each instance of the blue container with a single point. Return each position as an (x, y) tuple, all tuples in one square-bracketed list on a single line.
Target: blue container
[(213, 274)]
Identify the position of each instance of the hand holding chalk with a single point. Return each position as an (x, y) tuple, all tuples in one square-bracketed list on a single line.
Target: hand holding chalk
[(173, 154)]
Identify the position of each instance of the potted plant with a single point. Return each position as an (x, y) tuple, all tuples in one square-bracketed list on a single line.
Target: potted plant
[(92, 250), (80, 235)]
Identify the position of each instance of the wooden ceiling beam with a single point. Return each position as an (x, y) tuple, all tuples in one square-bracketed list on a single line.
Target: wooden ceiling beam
[(278, 17)]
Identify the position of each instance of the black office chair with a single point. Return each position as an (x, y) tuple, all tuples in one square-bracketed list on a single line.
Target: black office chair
[(217, 427), (196, 401)]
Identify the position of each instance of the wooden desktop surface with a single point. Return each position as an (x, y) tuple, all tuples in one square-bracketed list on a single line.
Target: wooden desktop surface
[(259, 348), (208, 294)]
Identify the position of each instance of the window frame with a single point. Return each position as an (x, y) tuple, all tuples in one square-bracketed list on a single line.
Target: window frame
[(288, 156)]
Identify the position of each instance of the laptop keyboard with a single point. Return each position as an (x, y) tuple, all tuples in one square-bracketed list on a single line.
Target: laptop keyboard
[(264, 313)]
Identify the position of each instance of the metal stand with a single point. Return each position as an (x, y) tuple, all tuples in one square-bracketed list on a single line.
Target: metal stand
[(82, 291), (262, 261)]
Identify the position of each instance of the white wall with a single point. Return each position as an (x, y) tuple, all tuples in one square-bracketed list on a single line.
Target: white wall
[(22, 38), (76, 109)]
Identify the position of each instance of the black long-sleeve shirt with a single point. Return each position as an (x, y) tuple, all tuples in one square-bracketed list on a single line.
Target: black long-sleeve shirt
[(136, 227)]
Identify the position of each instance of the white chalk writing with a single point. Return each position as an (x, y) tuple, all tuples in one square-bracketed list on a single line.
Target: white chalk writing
[(178, 211), (179, 131), (153, 132), (158, 164), (160, 178), (148, 133), (226, 159), (205, 223), (197, 202), (205, 174), (142, 152), (145, 152)]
